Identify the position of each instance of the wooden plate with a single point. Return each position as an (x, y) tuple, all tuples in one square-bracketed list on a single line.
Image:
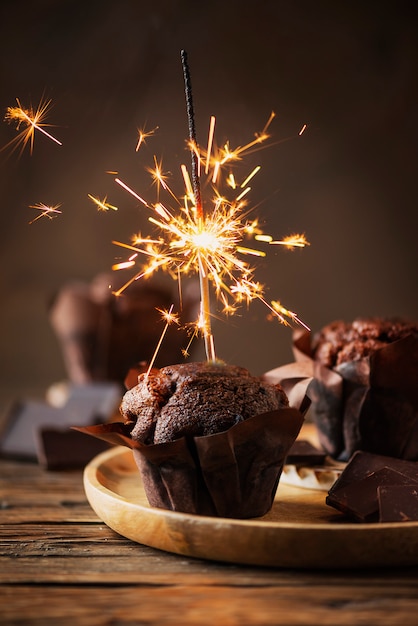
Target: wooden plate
[(300, 531)]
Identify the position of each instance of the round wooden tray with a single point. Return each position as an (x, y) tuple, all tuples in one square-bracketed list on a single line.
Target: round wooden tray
[(300, 531)]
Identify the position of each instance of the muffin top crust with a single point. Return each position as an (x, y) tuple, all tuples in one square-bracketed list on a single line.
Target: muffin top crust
[(340, 342), (196, 399)]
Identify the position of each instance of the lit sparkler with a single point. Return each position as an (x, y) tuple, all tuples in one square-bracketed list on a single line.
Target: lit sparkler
[(32, 120), (207, 235), (46, 211)]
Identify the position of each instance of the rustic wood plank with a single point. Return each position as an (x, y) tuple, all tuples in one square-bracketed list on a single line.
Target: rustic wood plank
[(28, 493), (44, 513), (93, 554), (149, 567), (166, 606)]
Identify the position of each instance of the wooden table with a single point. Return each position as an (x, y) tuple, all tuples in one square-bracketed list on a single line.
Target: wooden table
[(60, 565)]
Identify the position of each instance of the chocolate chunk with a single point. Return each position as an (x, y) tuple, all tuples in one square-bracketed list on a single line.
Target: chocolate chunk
[(34, 430), (303, 452), (362, 464), (398, 503), (359, 499), (66, 449)]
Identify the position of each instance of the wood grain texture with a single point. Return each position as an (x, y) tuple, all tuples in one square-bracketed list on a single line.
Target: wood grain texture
[(60, 565), (202, 604)]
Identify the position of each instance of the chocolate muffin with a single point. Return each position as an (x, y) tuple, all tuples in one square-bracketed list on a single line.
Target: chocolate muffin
[(341, 342), (208, 438), (196, 399), (364, 386)]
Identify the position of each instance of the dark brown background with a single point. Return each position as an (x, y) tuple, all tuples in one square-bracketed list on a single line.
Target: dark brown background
[(349, 70)]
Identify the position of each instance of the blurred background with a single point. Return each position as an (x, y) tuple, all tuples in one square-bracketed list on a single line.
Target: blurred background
[(348, 70)]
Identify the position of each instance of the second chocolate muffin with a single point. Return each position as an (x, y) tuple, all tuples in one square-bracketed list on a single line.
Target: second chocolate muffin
[(364, 388)]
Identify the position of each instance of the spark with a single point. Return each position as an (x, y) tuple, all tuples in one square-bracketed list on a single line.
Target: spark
[(160, 178), (129, 190), (231, 181), (33, 119), (102, 205), (251, 175), (46, 211), (210, 141), (124, 265), (187, 182), (264, 238), (292, 241), (142, 137), (170, 318), (243, 193), (281, 310)]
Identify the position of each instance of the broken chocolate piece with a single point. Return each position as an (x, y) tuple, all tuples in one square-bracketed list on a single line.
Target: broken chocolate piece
[(398, 503), (66, 449), (303, 452), (358, 500), (362, 464), (33, 430)]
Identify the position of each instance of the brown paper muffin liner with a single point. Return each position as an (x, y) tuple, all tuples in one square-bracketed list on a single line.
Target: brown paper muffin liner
[(370, 404), (234, 473)]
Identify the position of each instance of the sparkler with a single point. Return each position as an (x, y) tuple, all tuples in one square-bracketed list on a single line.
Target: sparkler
[(202, 236), (207, 236), (205, 312), (33, 120)]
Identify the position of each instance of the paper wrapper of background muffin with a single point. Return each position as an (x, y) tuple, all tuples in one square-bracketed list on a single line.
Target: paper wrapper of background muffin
[(370, 404), (234, 473)]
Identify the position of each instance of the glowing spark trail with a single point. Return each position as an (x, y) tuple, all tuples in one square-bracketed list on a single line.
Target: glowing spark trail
[(142, 136), (292, 241), (102, 205), (33, 119), (131, 191), (46, 211), (170, 318)]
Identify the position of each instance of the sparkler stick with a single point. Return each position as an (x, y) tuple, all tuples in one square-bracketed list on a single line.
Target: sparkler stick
[(192, 135), (203, 270)]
